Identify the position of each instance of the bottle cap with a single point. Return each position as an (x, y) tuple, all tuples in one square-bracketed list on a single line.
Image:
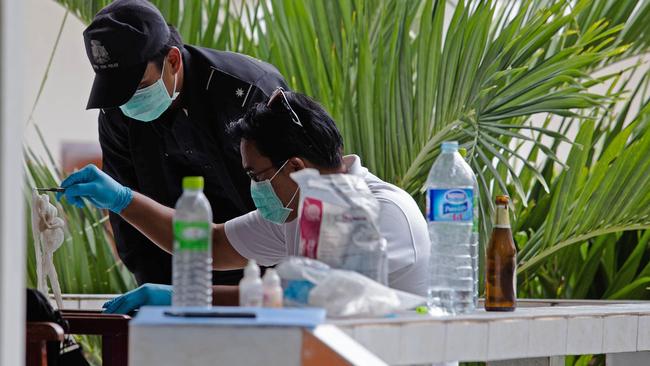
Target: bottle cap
[(502, 199), (271, 278), (449, 146), (193, 183), (252, 270)]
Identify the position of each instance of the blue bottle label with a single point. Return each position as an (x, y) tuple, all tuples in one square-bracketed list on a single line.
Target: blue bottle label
[(450, 205)]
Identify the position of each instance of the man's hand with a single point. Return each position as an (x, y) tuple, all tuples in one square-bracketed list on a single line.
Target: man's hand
[(97, 187), (147, 294)]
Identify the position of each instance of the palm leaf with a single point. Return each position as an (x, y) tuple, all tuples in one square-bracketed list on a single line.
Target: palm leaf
[(400, 78)]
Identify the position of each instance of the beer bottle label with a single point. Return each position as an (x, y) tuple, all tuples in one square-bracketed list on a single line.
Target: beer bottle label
[(450, 205), (502, 220)]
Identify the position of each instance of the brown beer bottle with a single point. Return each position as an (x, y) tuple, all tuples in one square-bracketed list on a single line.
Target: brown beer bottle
[(501, 277)]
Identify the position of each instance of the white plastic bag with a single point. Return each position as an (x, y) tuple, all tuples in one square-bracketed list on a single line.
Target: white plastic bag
[(338, 218), (47, 229), (341, 293)]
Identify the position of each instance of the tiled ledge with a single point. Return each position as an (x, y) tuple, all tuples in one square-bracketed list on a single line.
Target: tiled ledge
[(539, 328), (526, 333)]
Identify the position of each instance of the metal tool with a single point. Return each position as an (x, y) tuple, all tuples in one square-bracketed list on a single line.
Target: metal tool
[(51, 189)]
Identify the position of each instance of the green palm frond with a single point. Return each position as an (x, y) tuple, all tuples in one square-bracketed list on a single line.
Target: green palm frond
[(402, 76), (400, 84), (603, 189), (590, 202), (85, 262)]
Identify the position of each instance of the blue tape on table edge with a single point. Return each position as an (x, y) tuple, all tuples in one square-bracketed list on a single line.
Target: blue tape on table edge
[(278, 317)]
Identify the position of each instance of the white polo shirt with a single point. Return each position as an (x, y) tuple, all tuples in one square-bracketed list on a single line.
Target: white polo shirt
[(400, 222)]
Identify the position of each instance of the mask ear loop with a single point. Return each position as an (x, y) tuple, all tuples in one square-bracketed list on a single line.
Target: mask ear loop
[(292, 197), (162, 73), (277, 172), (294, 193)]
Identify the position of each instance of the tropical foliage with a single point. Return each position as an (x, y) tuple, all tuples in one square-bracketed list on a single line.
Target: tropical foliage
[(402, 76), (85, 262), (594, 208), (533, 89)]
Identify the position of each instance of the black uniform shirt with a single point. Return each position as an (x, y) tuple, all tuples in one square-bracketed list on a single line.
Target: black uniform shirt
[(153, 157)]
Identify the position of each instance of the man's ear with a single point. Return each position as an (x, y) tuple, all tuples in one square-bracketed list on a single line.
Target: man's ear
[(296, 164), (175, 60)]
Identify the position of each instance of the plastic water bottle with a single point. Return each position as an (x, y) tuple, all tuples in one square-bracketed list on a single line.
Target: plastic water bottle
[(192, 260), (475, 235), (453, 265)]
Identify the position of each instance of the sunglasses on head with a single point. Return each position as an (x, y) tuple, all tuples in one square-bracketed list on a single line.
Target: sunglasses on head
[(279, 95)]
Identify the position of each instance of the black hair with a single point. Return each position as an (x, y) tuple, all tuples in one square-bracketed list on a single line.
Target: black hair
[(175, 40), (277, 137)]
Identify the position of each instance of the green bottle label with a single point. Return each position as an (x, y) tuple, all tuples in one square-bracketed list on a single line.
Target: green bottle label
[(191, 235)]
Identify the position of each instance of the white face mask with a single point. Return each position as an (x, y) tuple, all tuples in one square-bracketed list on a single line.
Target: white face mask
[(150, 102)]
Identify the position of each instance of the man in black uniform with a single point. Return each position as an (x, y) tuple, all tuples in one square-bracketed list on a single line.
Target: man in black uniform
[(164, 109)]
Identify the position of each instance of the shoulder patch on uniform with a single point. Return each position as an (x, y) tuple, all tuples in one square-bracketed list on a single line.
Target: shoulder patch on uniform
[(243, 103), (212, 70), (228, 88)]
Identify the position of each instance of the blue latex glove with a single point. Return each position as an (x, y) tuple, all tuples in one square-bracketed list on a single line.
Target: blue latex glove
[(97, 187), (147, 294)]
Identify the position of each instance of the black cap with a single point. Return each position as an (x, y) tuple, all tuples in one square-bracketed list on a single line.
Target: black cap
[(119, 42)]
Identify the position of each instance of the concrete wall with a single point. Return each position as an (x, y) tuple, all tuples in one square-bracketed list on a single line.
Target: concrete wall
[(60, 113), (12, 233)]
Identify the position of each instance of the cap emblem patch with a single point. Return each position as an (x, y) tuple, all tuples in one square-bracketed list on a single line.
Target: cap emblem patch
[(100, 55)]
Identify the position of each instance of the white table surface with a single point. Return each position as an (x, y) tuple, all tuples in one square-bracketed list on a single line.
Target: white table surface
[(411, 338)]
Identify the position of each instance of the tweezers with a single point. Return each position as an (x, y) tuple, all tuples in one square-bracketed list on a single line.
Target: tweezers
[(53, 189)]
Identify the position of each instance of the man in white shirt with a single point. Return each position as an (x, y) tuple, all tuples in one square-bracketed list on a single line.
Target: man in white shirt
[(288, 133), (400, 223)]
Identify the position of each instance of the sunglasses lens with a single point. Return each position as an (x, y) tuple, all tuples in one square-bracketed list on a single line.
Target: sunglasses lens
[(275, 96)]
